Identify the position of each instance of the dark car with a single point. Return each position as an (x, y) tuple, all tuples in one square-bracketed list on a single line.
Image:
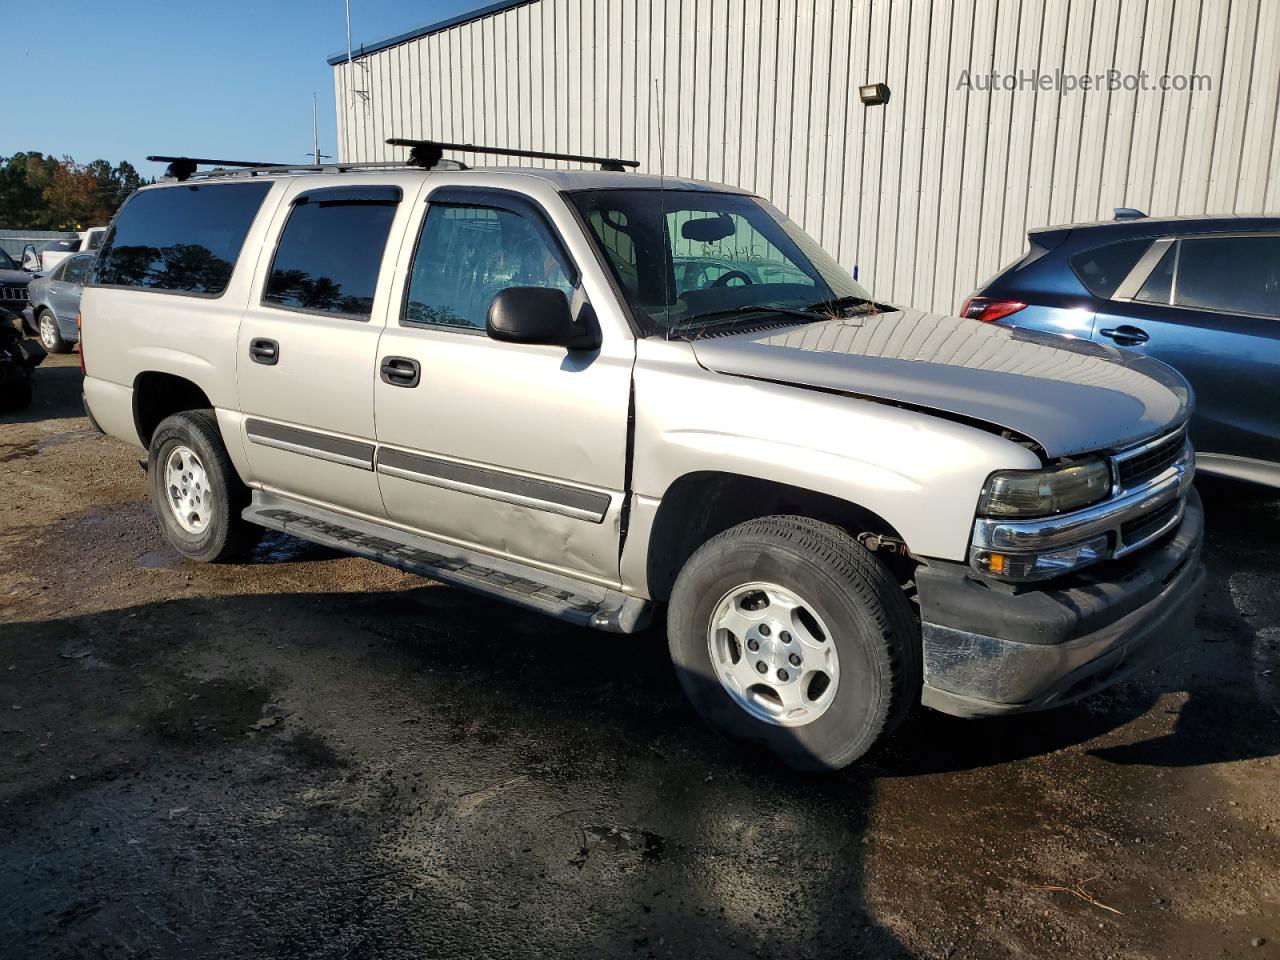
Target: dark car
[(1200, 293), (13, 291)]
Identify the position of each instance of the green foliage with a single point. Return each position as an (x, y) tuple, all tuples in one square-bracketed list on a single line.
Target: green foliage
[(43, 193)]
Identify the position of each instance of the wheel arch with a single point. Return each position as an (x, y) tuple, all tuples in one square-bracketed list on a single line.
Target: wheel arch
[(699, 505), (157, 395)]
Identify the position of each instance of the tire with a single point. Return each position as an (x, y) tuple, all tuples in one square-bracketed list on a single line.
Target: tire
[(50, 335), (211, 497), (848, 598)]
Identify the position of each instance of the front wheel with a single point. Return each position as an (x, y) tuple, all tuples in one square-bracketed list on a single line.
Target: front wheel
[(789, 634), (196, 492)]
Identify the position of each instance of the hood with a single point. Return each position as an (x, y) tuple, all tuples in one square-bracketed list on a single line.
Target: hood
[(1069, 396), (12, 278)]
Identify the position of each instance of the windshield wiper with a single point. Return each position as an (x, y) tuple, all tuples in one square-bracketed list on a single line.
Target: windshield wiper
[(732, 315)]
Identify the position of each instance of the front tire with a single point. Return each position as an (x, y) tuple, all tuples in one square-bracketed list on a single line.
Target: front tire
[(788, 633), (196, 492), (50, 335)]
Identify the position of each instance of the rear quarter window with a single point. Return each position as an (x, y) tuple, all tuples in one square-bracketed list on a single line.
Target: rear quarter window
[(1101, 269), (183, 239)]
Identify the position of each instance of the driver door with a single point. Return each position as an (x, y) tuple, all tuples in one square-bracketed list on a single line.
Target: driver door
[(516, 450)]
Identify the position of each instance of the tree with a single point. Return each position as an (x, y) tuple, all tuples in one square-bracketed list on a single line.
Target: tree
[(43, 193)]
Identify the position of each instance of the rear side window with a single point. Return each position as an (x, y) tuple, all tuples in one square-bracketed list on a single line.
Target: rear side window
[(180, 239), (331, 250), (1103, 268), (1230, 274), (76, 269), (1158, 287)]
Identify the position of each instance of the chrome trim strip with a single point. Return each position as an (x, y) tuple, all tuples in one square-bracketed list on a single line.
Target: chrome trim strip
[(1048, 533), (569, 501), (352, 453), (310, 452)]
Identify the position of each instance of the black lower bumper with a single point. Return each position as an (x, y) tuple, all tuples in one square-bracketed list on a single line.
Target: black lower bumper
[(990, 651)]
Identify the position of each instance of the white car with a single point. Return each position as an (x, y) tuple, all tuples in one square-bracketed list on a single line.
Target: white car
[(498, 378), (44, 257)]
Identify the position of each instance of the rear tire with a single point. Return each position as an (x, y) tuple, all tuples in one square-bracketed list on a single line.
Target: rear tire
[(852, 625), (196, 492), (50, 334)]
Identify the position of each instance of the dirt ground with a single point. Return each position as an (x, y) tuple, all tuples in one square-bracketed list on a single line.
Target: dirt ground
[(314, 756)]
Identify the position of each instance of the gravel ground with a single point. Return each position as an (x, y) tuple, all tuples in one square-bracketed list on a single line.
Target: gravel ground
[(313, 756)]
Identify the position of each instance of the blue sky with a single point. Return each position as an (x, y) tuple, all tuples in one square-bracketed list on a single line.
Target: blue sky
[(219, 78)]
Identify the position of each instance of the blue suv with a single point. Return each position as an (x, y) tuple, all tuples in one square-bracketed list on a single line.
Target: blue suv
[(1200, 293)]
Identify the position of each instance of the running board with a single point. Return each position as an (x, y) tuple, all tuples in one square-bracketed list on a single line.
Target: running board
[(574, 601)]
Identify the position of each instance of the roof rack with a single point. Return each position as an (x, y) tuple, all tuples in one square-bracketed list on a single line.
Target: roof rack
[(427, 153), (184, 168)]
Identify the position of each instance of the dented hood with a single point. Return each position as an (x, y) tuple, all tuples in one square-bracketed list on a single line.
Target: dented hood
[(1069, 396)]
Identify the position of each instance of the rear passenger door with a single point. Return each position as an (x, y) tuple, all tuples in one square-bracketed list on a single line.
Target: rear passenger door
[(66, 300), (307, 342), (518, 450), (1210, 307)]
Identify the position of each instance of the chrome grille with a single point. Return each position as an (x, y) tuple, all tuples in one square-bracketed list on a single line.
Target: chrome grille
[(1140, 529), (1135, 467)]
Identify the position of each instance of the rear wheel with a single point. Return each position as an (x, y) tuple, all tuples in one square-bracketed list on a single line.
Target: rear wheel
[(50, 335), (196, 492), (789, 634)]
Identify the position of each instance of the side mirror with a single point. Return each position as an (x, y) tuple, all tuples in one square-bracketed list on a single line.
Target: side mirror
[(538, 315), (30, 259)]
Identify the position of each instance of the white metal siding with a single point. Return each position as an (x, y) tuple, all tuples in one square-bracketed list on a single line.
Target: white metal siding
[(929, 195)]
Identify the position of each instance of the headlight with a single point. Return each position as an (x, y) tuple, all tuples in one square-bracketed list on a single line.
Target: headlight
[(1044, 493)]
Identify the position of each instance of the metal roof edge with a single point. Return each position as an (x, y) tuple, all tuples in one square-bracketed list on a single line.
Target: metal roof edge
[(479, 13)]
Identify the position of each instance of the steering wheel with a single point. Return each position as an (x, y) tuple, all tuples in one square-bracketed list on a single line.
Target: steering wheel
[(724, 278)]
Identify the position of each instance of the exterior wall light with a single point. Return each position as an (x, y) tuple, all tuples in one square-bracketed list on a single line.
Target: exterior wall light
[(874, 94)]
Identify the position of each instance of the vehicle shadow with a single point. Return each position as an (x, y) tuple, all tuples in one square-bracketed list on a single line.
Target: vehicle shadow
[(56, 396)]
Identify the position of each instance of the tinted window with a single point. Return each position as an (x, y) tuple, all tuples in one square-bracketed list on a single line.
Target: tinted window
[(184, 239), (1102, 268), (467, 254), (1158, 287), (76, 269), (1230, 274), (331, 251), (59, 271), (7, 262)]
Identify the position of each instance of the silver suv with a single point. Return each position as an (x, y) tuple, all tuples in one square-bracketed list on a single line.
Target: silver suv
[(596, 394)]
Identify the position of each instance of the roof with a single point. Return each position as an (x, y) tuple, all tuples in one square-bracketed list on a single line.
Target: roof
[(476, 14), (562, 180), (1150, 226)]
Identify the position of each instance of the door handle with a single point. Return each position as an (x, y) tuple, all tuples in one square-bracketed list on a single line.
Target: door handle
[(264, 351), (401, 371), (1126, 335)]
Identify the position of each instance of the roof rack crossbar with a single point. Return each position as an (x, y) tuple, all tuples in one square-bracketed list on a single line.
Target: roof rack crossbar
[(180, 168), (427, 153)]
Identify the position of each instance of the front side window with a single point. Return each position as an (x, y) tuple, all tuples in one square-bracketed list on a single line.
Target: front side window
[(466, 254), (181, 239), (688, 259), (330, 251), (1229, 275)]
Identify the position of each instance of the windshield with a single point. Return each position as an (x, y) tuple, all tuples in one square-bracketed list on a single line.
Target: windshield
[(688, 260), (6, 262), (59, 245)]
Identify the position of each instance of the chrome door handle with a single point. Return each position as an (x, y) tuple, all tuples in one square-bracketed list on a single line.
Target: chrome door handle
[(1126, 335), (401, 371), (264, 351)]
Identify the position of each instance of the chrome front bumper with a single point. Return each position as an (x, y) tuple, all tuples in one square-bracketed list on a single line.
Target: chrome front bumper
[(990, 651)]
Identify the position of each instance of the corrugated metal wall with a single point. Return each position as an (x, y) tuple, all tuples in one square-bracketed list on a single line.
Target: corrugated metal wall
[(928, 195)]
